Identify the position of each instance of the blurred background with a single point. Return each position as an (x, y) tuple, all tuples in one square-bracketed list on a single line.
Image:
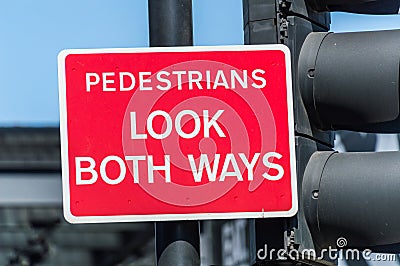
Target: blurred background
[(32, 33)]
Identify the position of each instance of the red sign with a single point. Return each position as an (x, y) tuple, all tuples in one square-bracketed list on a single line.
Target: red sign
[(177, 133)]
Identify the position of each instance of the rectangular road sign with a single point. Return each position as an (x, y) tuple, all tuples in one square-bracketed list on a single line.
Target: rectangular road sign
[(178, 133)]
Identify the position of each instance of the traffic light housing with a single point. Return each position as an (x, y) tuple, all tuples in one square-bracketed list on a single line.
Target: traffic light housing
[(350, 81), (353, 196), (346, 81)]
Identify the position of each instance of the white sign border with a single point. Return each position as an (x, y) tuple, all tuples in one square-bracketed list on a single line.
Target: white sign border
[(172, 217)]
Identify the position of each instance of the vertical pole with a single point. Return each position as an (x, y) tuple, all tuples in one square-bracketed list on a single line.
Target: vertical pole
[(170, 24), (178, 243), (286, 22), (259, 20)]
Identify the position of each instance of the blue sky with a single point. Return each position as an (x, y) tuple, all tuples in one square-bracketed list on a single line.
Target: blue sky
[(33, 32)]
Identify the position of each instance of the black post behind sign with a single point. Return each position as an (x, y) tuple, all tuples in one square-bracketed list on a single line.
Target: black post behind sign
[(289, 23), (170, 24)]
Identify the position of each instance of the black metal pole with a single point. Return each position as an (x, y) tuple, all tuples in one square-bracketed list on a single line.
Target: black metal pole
[(178, 243), (170, 24)]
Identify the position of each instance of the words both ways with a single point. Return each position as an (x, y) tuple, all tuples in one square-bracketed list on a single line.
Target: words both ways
[(215, 168)]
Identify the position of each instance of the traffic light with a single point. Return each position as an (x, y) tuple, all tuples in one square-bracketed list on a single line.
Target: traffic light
[(354, 196), (351, 81), (341, 81)]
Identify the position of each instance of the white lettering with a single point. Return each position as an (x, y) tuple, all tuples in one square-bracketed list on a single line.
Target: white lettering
[(197, 80), (168, 127), (89, 81), (258, 78), (212, 123), (163, 80), (106, 81), (223, 82), (135, 160), (271, 165), (242, 80), (151, 168), (249, 166), (90, 169), (143, 80), (230, 159), (179, 78), (134, 134), (204, 162), (121, 81), (178, 125), (103, 172)]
